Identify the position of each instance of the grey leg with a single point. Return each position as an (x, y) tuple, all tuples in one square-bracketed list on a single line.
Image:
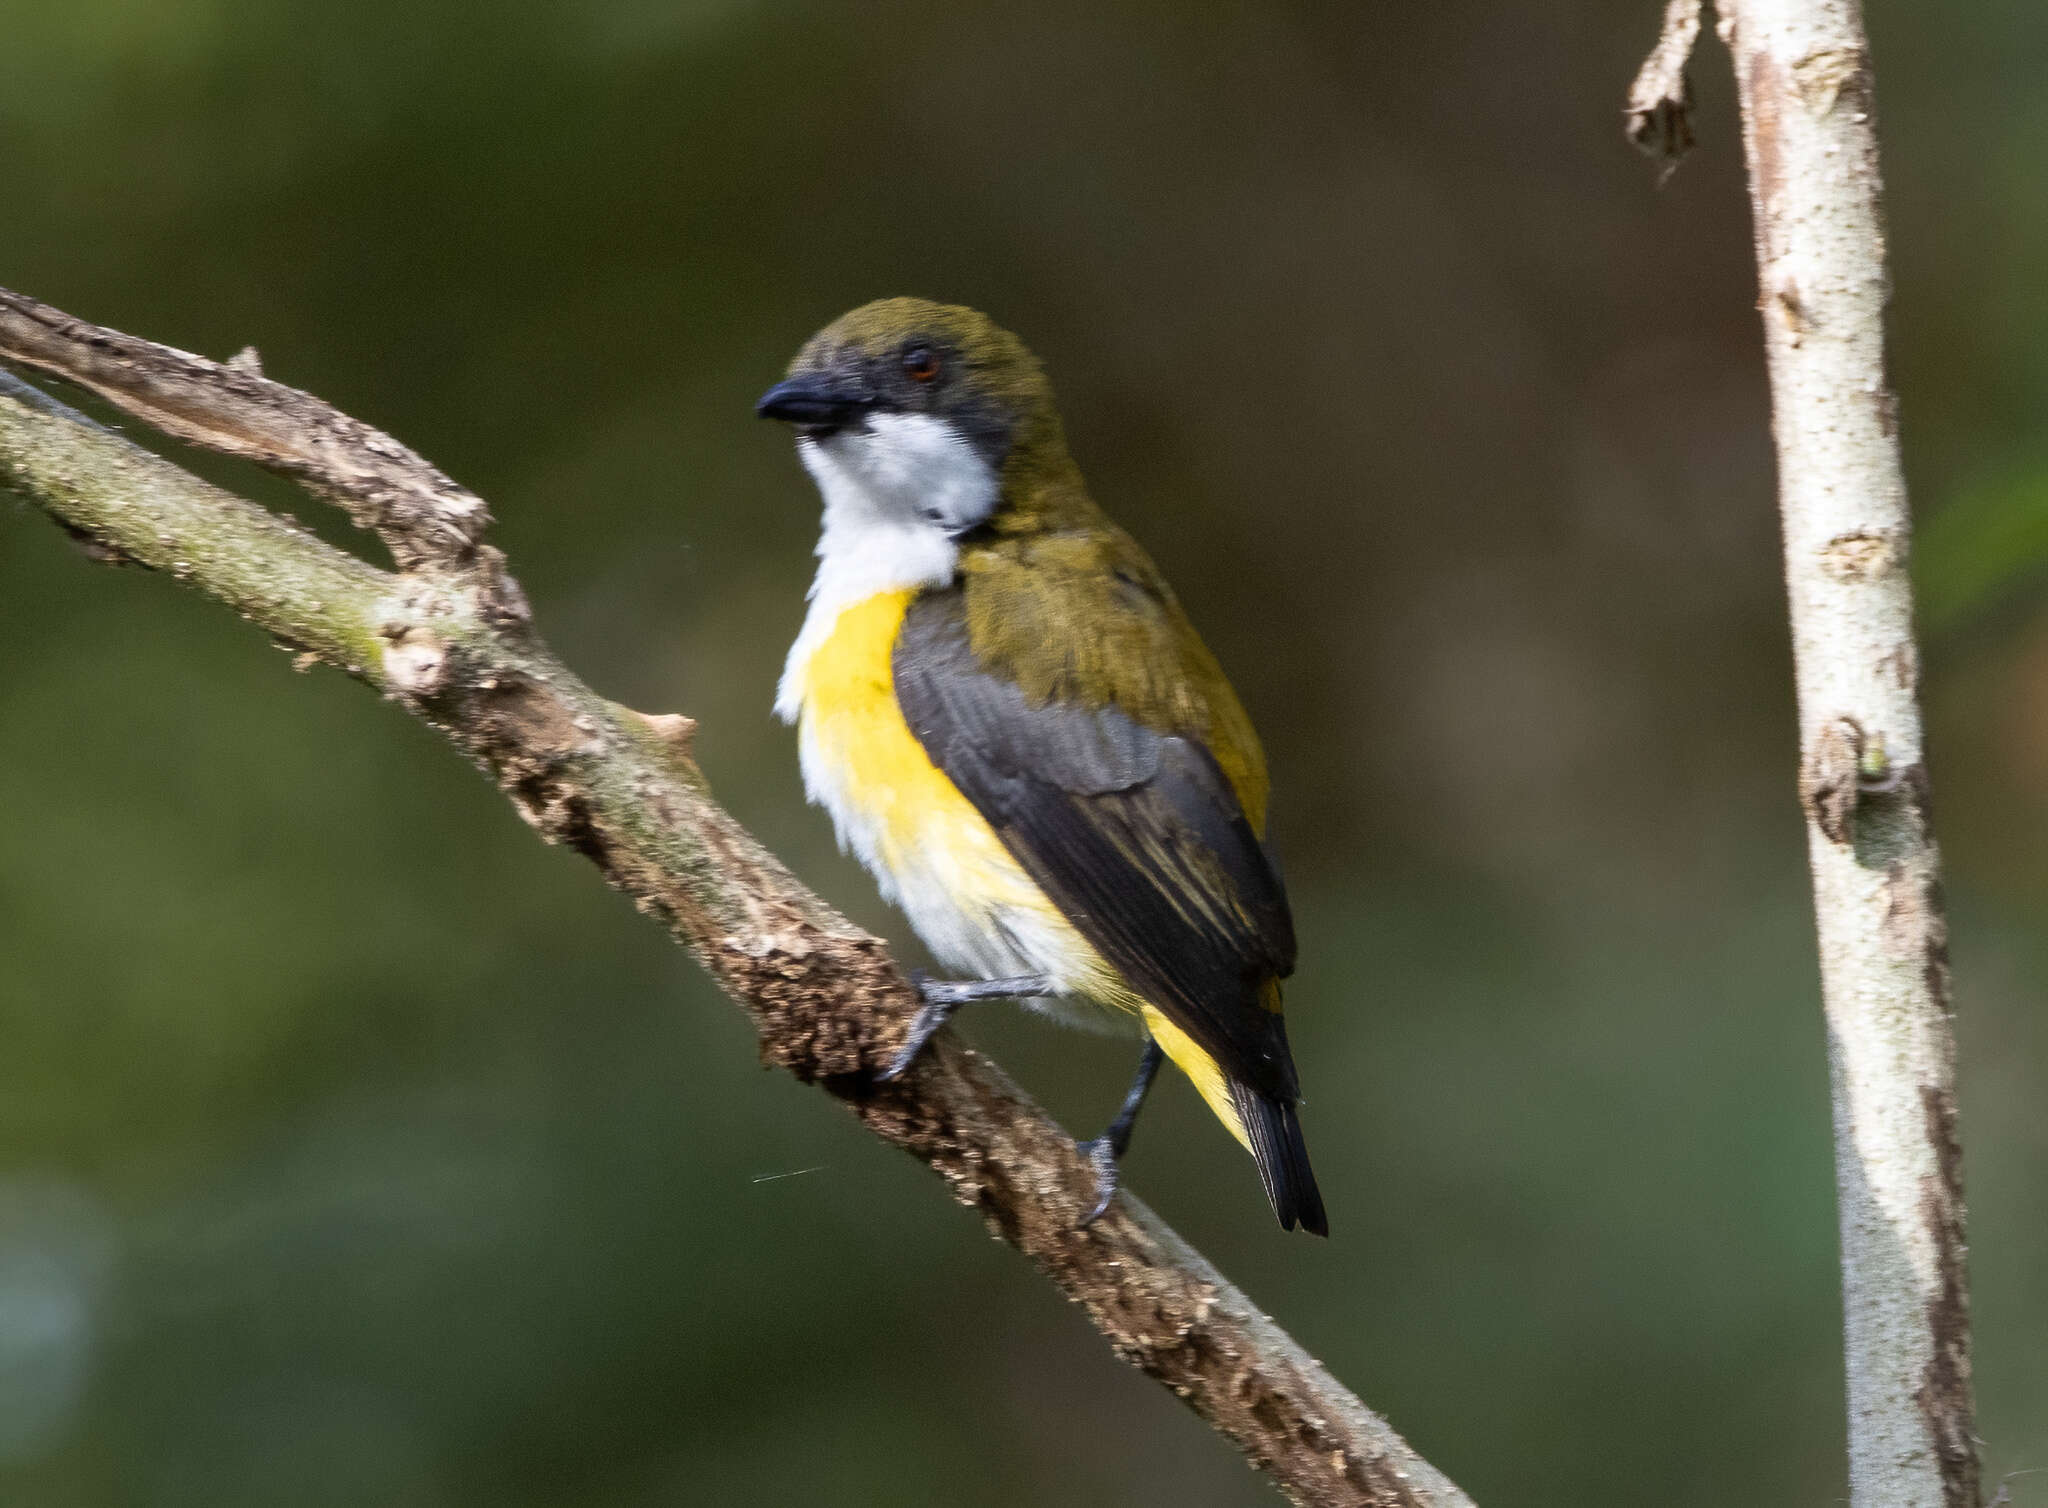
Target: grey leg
[(1106, 1150), (942, 997)]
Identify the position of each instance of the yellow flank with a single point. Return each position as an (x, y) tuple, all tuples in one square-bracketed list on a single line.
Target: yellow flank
[(946, 864)]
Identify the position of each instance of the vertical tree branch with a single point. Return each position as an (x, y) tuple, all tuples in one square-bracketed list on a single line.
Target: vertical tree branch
[(1803, 71)]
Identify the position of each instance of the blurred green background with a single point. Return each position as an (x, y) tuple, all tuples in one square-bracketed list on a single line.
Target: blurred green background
[(357, 1150)]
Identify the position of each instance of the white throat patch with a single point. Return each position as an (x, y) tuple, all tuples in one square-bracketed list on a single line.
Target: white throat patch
[(897, 491), (900, 468)]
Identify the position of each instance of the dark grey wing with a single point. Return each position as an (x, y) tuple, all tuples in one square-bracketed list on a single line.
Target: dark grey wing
[(1136, 836)]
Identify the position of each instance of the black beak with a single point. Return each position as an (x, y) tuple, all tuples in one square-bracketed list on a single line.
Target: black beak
[(812, 403)]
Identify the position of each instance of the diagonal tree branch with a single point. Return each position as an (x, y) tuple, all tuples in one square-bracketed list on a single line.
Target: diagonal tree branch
[(449, 639), (422, 516), (1802, 69)]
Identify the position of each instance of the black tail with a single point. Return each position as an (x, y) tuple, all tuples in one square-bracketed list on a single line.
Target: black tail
[(1275, 1132)]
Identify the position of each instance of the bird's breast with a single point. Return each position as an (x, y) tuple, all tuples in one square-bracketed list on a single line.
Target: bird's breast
[(861, 762), (931, 852)]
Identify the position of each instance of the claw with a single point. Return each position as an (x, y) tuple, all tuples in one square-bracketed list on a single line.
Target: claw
[(1107, 1150), (1103, 1156), (932, 1015)]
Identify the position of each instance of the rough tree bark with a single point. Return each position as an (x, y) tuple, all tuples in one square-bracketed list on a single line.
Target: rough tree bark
[(450, 638), (1803, 72)]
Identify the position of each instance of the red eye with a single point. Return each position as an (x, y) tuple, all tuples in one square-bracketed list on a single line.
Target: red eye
[(921, 363)]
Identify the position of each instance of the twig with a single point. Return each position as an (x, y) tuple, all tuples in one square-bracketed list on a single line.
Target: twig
[(231, 407), (452, 644), (1659, 114), (1803, 71)]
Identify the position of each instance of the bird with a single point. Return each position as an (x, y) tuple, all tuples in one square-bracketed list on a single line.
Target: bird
[(1018, 732)]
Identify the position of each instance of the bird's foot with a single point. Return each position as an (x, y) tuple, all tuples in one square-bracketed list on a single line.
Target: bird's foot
[(1102, 1157), (1107, 1150), (942, 997)]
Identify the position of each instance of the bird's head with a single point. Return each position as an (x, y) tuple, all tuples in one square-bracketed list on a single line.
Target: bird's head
[(910, 406)]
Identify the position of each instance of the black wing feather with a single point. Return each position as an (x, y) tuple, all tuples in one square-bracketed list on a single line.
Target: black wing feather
[(1135, 835)]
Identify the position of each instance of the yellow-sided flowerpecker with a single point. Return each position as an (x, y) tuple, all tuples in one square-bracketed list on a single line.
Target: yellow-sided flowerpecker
[(1017, 730)]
